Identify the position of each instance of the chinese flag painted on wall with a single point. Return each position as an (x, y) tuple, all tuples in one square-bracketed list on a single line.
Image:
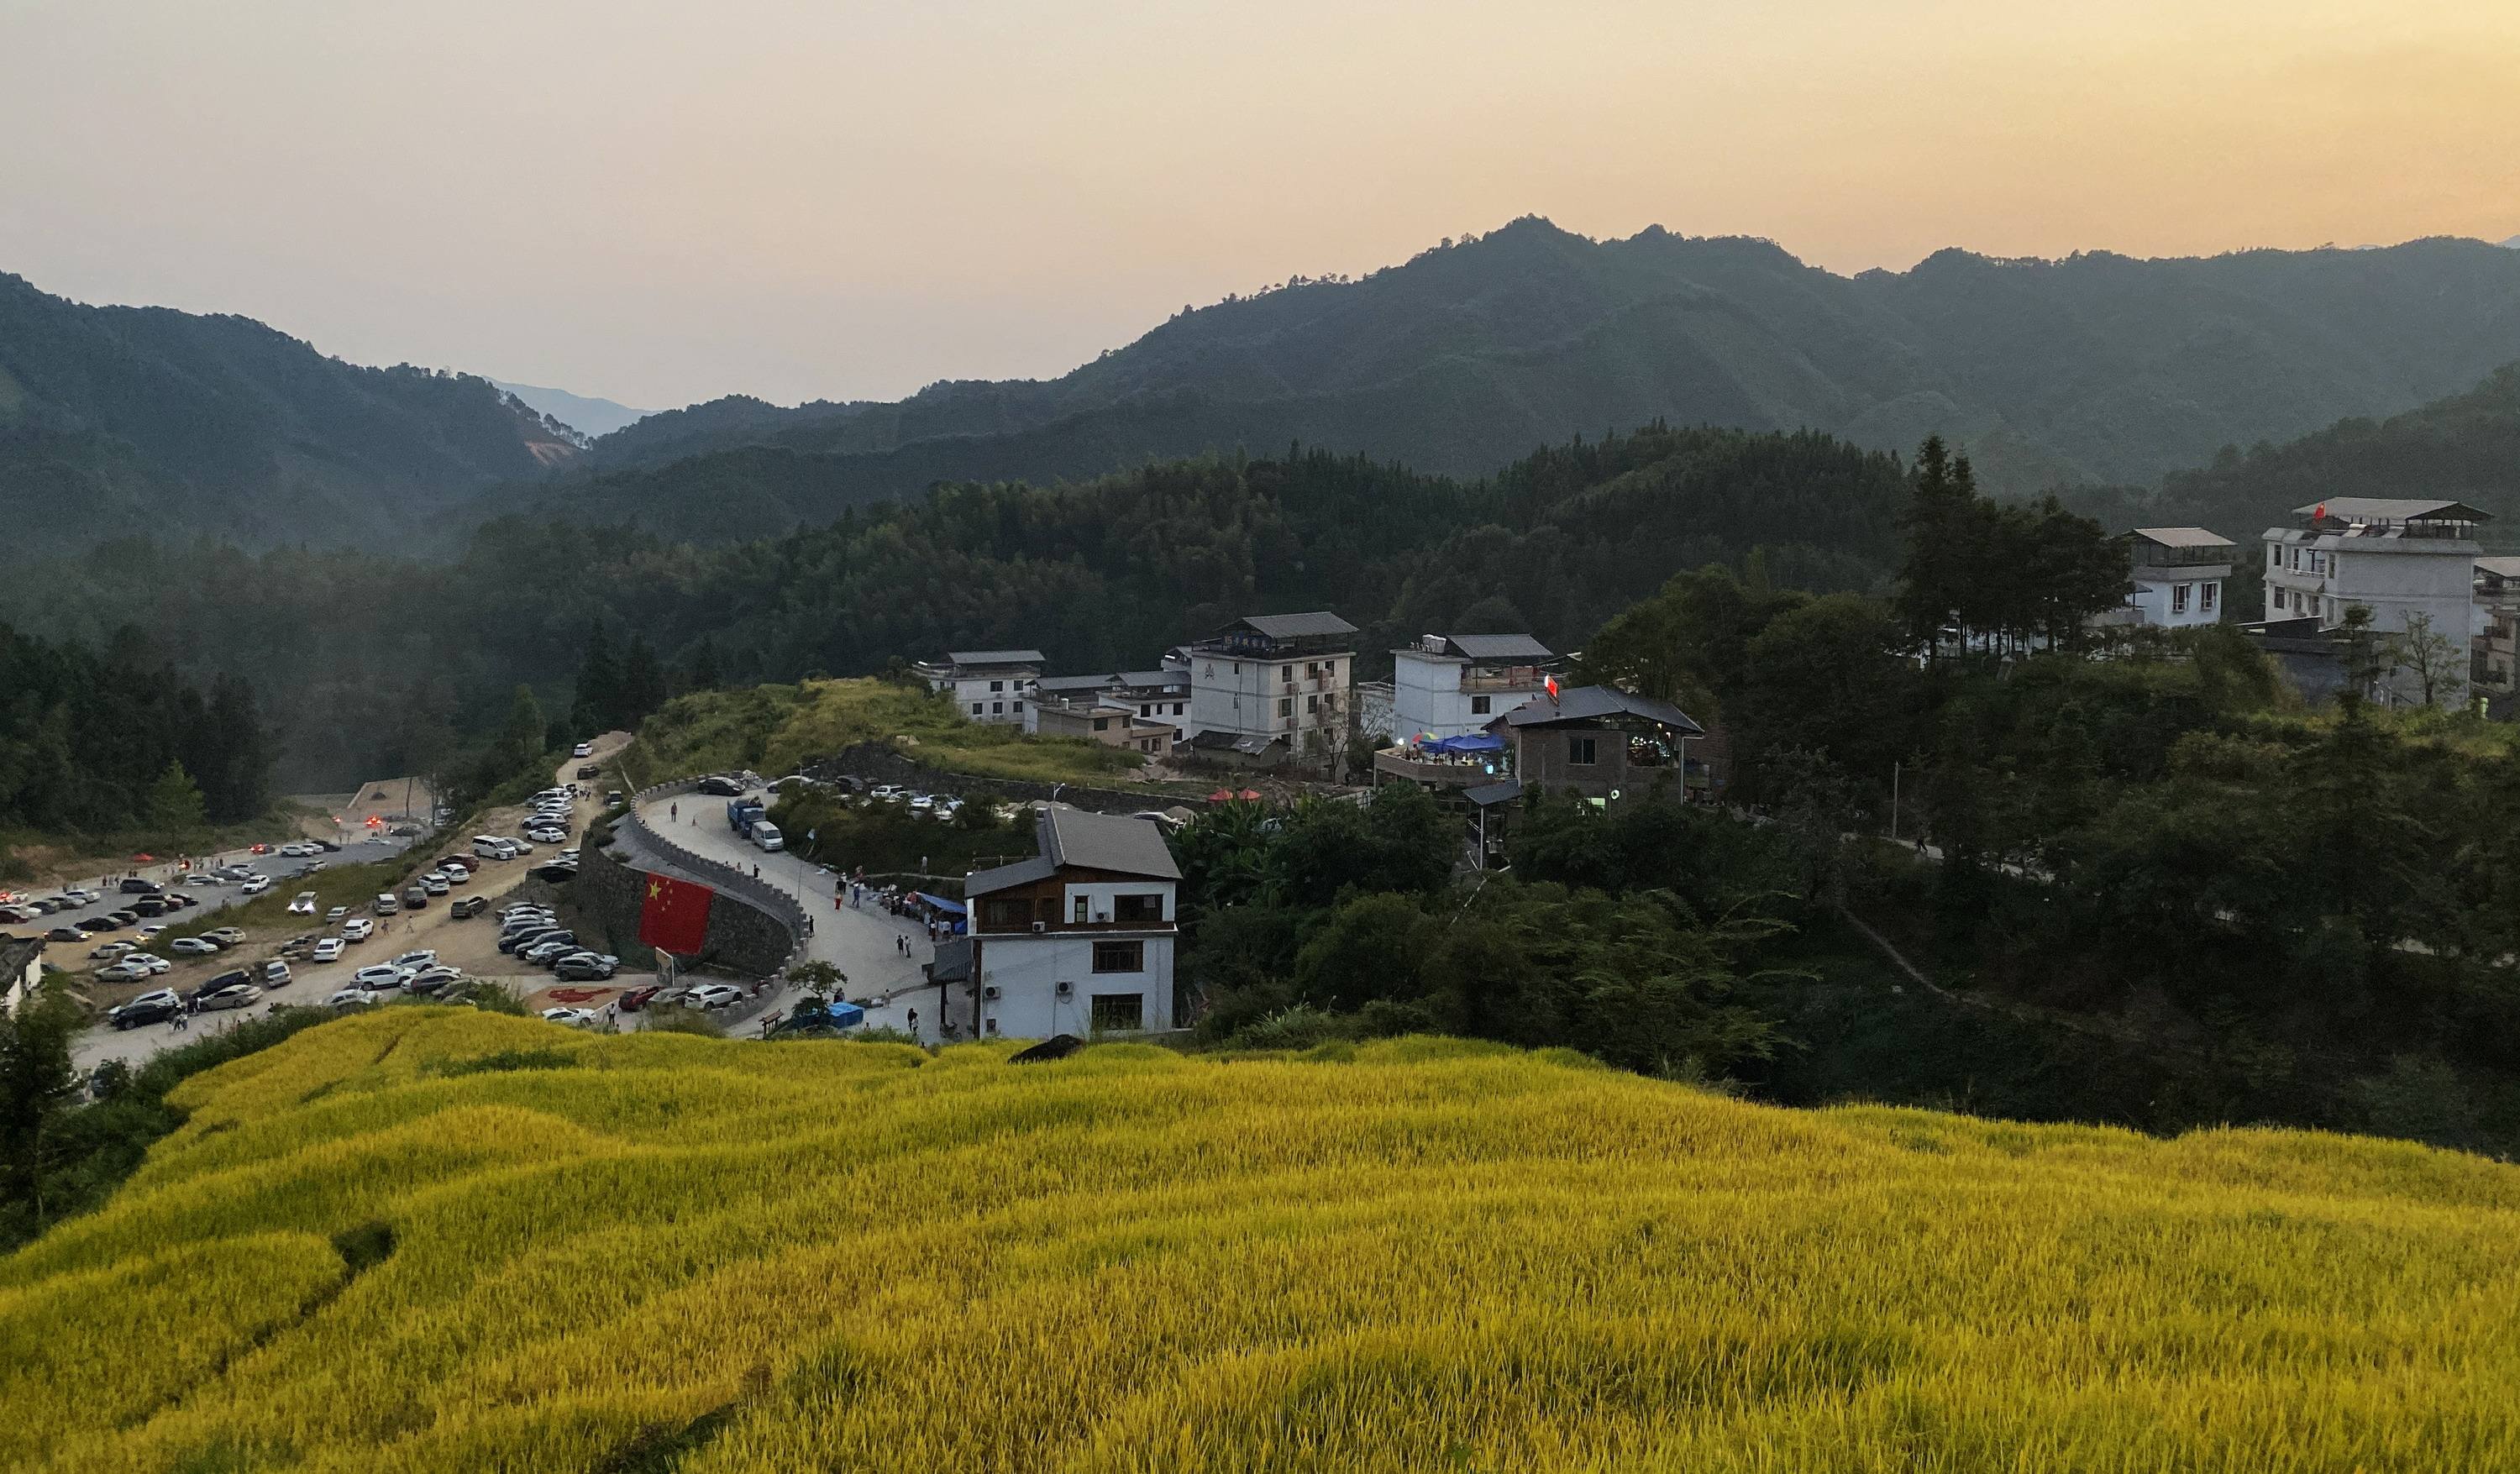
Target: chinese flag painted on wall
[(674, 916)]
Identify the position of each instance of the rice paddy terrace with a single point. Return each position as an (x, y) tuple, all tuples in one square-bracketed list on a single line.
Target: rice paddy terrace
[(431, 1239)]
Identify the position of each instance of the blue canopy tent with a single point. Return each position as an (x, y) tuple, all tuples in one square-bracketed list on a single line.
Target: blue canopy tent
[(1476, 741), (954, 910)]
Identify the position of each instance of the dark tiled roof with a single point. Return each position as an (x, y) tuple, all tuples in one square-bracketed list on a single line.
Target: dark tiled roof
[(1588, 703), (1298, 626), (1499, 647), (1216, 738), (1486, 794), (1007, 876), (2394, 509), (994, 657), (1106, 842)]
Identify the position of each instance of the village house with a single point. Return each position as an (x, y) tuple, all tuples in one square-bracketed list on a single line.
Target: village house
[(1270, 680), (1450, 685), (1600, 741), (2413, 562), (987, 685), (1091, 719), (1079, 938), (2176, 575)]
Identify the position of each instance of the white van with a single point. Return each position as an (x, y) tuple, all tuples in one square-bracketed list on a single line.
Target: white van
[(490, 847), (766, 834)]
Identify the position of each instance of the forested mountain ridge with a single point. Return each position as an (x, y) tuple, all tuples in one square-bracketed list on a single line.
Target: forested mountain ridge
[(129, 419), (2096, 369)]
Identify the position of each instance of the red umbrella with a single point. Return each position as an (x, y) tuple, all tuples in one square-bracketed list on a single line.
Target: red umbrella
[(1221, 795), (1250, 793)]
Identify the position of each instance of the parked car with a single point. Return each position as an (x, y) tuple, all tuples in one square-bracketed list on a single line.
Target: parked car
[(147, 1008), (193, 946), (582, 968), (520, 846), (413, 961), (575, 1018), (353, 998), (328, 846), (150, 960), (225, 936), (549, 951), (635, 999), (65, 934), (327, 949), (466, 907), (230, 995), (109, 950), (203, 877), (255, 886), (415, 897), (121, 972), (133, 885), (591, 769), (95, 925), (149, 906), (303, 904), (182, 902), (387, 905), (379, 979), (82, 895), (336, 915), (276, 974), (713, 995), (430, 980), (432, 884), (358, 929), (723, 788)]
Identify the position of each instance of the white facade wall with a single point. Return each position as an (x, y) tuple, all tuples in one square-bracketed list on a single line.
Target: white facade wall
[(2178, 597), (2392, 577), (1426, 696), (1253, 696), (1027, 970), (991, 699)]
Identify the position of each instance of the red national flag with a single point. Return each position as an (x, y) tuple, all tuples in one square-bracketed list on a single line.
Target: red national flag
[(674, 916), (1553, 688)]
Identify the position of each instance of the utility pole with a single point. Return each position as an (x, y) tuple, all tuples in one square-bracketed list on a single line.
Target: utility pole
[(1894, 800)]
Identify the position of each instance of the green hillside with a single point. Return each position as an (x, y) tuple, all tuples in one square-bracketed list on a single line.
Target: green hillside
[(121, 420), (2097, 369), (431, 1239)]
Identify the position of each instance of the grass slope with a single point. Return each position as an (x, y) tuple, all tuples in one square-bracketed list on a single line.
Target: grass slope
[(428, 1239), (773, 729)]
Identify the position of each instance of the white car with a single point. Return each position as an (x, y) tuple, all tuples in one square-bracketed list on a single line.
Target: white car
[(203, 877), (327, 949), (82, 895), (582, 749), (336, 914), (379, 979), (351, 998), (121, 972), (413, 961), (255, 886), (153, 928), (575, 1018), (276, 974), (358, 929), (193, 946), (303, 904), (713, 995), (148, 959)]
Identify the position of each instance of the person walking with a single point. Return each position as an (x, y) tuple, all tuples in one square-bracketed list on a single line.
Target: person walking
[(673, 811)]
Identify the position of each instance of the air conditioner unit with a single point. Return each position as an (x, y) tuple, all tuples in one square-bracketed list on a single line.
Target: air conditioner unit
[(1066, 989), (990, 992), (1041, 927)]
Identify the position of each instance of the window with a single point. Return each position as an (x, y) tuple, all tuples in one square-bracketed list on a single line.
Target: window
[(2178, 598), (2205, 597), (1005, 913), (1582, 751), (1139, 910), (975, 708), (996, 688), (1312, 703), (1102, 724), (1286, 706), (997, 708), (2296, 559), (1047, 911), (1177, 708), (2274, 557), (1286, 673), (1119, 1013), (1145, 710), (1082, 915), (1479, 705), (1018, 705), (1119, 956), (1330, 668)]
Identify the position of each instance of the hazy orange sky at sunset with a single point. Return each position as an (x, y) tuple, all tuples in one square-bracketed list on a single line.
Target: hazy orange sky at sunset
[(664, 202)]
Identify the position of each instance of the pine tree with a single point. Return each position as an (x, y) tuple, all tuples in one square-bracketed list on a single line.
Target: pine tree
[(175, 807), (705, 673), (596, 702), (643, 684)]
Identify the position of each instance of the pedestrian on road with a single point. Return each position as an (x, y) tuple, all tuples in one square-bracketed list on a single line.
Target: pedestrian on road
[(673, 811), (914, 1021)]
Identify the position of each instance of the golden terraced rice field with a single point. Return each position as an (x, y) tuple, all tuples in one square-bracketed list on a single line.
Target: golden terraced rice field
[(428, 1239)]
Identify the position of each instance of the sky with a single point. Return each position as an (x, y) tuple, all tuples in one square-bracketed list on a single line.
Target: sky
[(820, 199)]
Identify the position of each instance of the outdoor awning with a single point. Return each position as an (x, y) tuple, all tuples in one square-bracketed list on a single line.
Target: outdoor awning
[(950, 907), (1476, 741)]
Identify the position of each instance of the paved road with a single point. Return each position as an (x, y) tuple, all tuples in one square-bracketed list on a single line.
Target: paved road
[(862, 944)]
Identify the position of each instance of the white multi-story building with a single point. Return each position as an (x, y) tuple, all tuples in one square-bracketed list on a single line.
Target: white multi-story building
[(2412, 563), (1078, 939), (1450, 685), (988, 685), (2176, 575), (1274, 678), (1152, 696)]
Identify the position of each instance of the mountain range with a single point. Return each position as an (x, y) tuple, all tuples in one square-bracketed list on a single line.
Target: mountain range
[(118, 420), (589, 417), (2096, 370)]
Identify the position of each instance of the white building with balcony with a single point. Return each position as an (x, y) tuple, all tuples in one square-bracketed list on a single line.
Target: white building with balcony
[(2412, 563), (2177, 575), (987, 685), (1450, 685), (1079, 938), (1274, 678)]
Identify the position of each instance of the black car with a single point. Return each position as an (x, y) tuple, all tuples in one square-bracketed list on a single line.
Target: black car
[(723, 788), (468, 906), (133, 885), (591, 769), (94, 924), (128, 918), (582, 968), (236, 978), (65, 934), (149, 906), (328, 846), (178, 900), (147, 1008)]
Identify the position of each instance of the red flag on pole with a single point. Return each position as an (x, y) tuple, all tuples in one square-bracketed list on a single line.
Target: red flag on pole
[(1553, 688), (674, 916)]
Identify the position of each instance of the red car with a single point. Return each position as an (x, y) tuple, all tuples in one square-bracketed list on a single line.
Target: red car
[(262, 849), (636, 997)]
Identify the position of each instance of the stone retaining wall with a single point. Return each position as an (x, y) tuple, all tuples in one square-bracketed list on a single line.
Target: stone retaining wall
[(761, 934)]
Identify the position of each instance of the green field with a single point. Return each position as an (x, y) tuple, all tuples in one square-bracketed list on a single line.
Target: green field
[(433, 1239), (774, 730)]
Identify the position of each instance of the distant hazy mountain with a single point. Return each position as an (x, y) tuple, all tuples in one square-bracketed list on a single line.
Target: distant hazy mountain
[(587, 416), (125, 420), (2096, 369)]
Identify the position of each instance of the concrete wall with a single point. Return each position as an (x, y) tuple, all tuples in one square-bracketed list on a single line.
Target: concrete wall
[(1026, 970), (1242, 694)]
